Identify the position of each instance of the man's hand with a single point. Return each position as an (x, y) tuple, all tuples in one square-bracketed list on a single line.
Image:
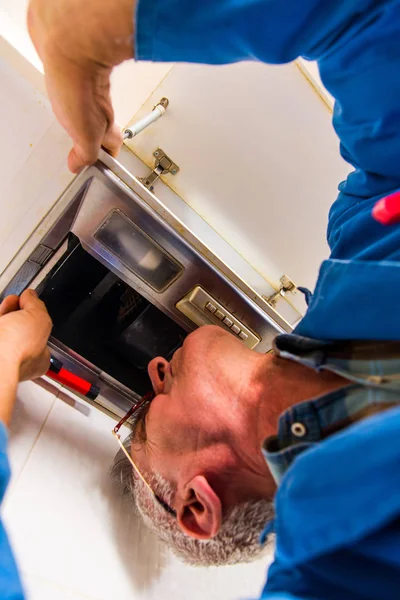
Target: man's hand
[(25, 326), (79, 42)]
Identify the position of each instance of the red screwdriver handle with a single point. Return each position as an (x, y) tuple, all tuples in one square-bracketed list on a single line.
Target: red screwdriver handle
[(70, 380), (387, 210)]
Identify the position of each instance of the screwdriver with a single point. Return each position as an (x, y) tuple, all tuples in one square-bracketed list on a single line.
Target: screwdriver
[(70, 380), (387, 210)]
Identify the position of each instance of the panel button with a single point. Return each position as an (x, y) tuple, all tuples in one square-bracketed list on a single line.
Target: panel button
[(210, 306), (228, 322), (196, 307)]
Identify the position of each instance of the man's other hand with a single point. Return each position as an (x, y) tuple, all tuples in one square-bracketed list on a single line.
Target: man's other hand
[(25, 326), (79, 42)]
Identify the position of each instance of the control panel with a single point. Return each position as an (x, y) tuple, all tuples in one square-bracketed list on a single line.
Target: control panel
[(201, 308)]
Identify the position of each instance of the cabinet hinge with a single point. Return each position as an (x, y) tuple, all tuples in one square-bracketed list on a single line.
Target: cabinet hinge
[(163, 165), (287, 286)]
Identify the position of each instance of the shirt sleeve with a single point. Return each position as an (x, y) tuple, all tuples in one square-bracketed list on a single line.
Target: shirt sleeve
[(10, 583), (357, 48), (374, 565), (226, 31)]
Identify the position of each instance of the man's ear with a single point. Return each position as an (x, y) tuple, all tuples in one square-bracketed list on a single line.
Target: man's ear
[(199, 513)]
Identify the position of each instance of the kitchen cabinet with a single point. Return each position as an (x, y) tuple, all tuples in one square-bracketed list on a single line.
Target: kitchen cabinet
[(258, 160)]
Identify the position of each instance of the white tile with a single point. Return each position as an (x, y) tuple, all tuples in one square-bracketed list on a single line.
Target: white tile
[(31, 409), (68, 528), (76, 533), (39, 589), (181, 581)]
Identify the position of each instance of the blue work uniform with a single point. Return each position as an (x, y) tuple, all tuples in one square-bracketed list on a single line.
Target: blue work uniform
[(10, 583), (338, 501)]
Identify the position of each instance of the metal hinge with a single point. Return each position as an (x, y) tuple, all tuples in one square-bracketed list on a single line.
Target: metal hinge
[(163, 165), (287, 285)]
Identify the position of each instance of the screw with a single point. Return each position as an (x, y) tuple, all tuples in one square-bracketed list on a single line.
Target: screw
[(173, 171), (156, 153), (298, 429)]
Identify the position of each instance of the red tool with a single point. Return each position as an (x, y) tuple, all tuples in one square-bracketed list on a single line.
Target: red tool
[(387, 210), (58, 373)]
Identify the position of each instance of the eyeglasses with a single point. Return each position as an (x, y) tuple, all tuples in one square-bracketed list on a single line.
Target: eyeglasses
[(147, 398)]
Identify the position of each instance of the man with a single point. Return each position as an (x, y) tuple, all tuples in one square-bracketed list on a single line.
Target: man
[(199, 443), (335, 456)]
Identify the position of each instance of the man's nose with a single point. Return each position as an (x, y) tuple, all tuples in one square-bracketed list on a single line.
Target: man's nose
[(156, 370)]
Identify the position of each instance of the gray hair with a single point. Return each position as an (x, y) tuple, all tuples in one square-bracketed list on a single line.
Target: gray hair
[(237, 541)]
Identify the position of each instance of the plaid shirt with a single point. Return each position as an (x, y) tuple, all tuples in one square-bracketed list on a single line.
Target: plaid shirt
[(373, 371)]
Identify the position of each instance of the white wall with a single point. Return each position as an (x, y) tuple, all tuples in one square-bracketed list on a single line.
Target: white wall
[(33, 170), (13, 29), (33, 154)]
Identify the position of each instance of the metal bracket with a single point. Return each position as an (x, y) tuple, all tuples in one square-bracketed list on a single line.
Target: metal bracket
[(164, 102), (163, 165), (287, 285)]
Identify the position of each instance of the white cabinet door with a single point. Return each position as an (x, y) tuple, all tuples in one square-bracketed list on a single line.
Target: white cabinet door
[(258, 158)]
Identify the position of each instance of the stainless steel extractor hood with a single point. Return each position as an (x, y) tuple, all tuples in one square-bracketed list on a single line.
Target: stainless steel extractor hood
[(124, 281)]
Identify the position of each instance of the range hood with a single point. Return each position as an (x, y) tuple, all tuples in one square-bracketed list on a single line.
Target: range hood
[(125, 281)]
